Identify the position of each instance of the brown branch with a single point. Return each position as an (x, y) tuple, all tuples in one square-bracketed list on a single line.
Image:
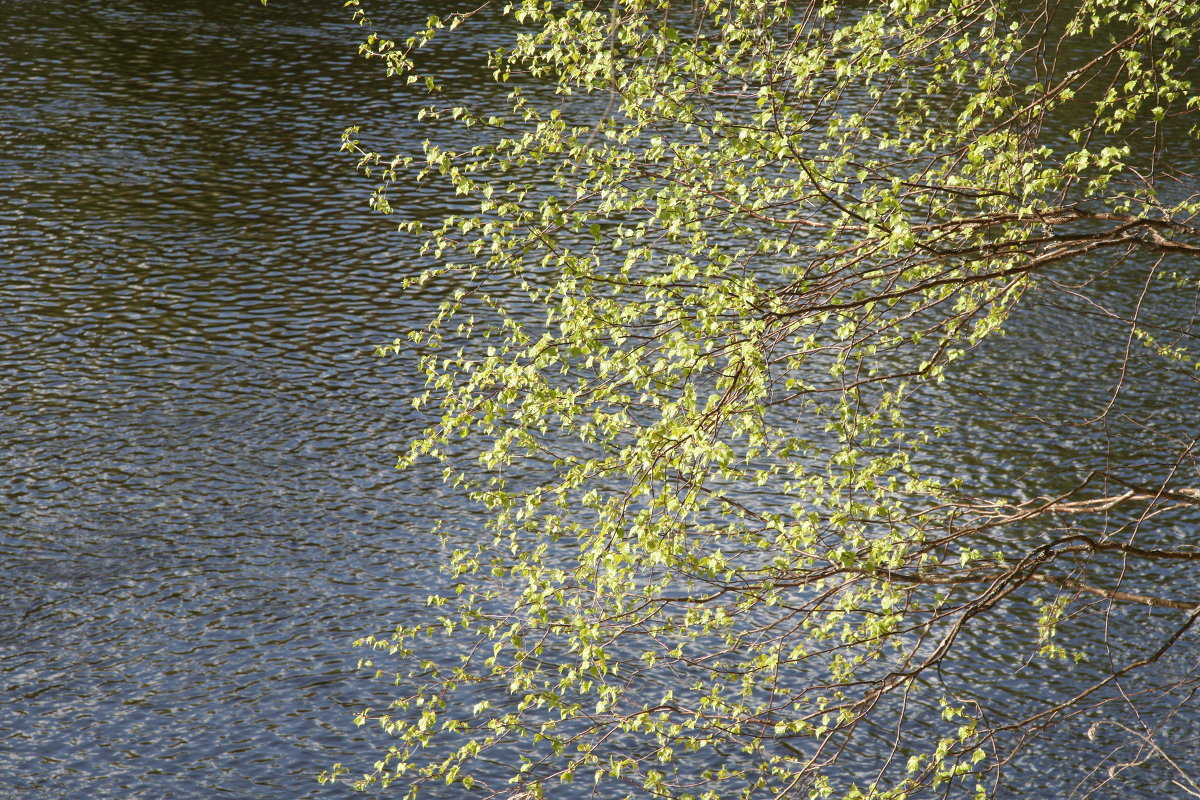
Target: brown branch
[(992, 576), (1115, 594)]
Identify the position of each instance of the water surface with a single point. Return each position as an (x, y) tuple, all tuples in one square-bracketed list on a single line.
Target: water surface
[(199, 508)]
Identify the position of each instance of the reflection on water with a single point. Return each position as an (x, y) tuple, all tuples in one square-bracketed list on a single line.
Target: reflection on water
[(199, 511)]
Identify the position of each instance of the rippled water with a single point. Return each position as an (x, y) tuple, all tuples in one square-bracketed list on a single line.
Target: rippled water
[(199, 512)]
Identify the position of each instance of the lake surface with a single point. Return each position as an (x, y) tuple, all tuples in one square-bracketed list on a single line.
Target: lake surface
[(199, 508)]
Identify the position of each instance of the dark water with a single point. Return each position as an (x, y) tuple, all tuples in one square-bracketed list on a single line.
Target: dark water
[(198, 508)]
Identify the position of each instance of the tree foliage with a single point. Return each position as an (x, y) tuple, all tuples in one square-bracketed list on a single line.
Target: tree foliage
[(716, 269)]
